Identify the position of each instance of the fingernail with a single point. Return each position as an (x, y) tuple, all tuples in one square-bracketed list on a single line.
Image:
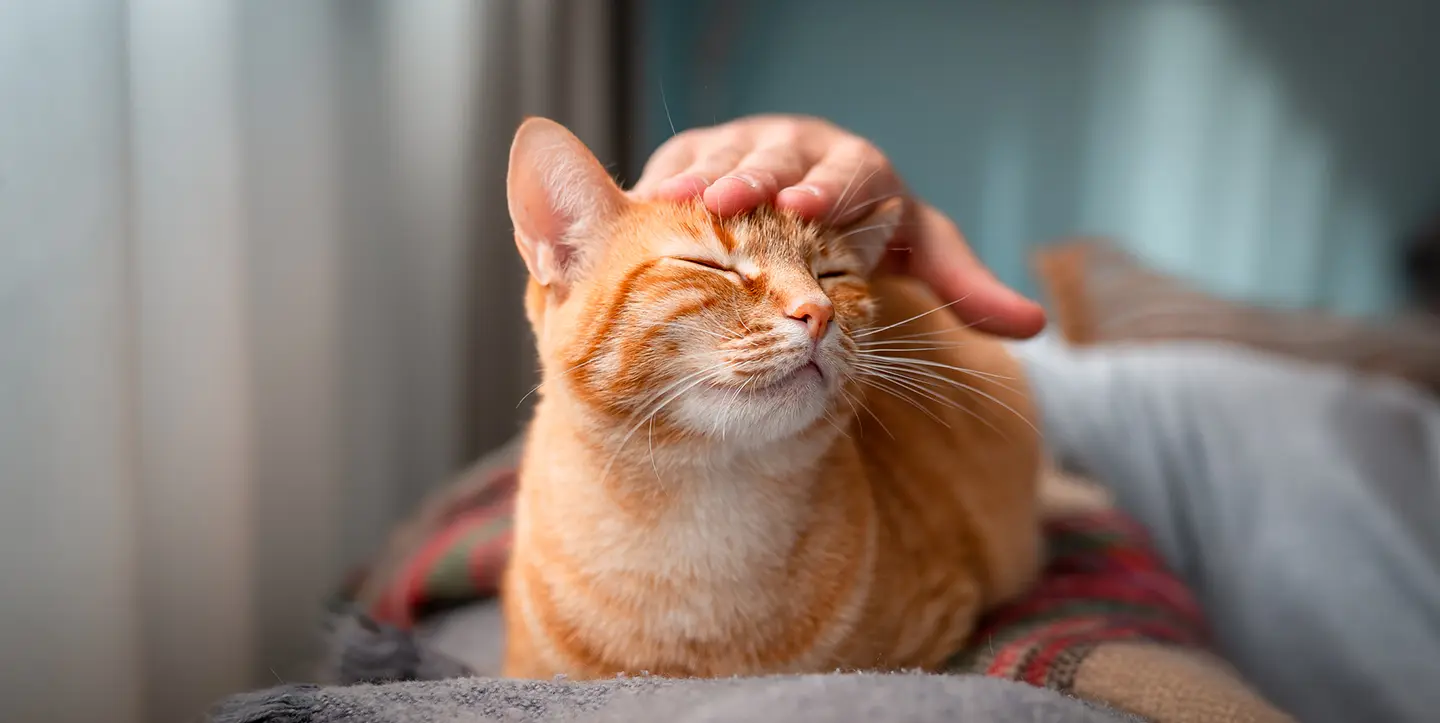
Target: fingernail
[(741, 178), (806, 189)]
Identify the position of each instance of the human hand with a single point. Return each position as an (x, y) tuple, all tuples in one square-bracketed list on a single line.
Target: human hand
[(823, 172)]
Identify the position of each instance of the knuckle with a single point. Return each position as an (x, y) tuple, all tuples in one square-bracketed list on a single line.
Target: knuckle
[(784, 135), (778, 157), (863, 152), (726, 155), (762, 176)]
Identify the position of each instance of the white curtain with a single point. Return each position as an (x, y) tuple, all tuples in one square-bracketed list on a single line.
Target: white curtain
[(257, 294)]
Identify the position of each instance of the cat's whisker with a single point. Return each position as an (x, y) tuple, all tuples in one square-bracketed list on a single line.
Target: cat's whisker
[(933, 394), (919, 340), (878, 358), (911, 319), (932, 382), (877, 383), (736, 398), (698, 378), (850, 399), (878, 199), (739, 319), (868, 331), (536, 388), (918, 374), (710, 315), (862, 229), (655, 396), (665, 102), (933, 332), (653, 465), (709, 373), (692, 327), (832, 215), (843, 206), (917, 362), (905, 349), (914, 386), (898, 373), (962, 385), (941, 343)]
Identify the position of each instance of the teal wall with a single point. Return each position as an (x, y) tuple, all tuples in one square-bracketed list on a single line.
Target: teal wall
[(1273, 151)]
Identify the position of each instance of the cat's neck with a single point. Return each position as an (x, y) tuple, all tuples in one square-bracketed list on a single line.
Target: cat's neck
[(642, 453), (588, 465)]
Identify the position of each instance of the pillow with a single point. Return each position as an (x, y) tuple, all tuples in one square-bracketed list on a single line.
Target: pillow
[(1099, 294)]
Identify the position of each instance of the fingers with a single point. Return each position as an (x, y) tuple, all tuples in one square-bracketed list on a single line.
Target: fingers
[(706, 168), (804, 165), (756, 179), (939, 256), (851, 178), (736, 166), (672, 157)]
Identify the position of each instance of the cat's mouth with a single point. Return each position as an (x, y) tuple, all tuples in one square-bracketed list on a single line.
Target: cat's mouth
[(808, 372)]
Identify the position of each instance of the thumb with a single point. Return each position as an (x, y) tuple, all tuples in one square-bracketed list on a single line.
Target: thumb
[(933, 250)]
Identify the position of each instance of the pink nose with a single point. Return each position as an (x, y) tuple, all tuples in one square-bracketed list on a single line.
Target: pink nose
[(816, 315)]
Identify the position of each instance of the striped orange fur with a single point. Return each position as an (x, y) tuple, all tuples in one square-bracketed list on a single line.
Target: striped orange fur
[(749, 456)]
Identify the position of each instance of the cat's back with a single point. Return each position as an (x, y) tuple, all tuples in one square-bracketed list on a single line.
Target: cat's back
[(949, 443)]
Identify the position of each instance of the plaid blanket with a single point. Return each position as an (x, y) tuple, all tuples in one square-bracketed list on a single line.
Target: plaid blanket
[(1107, 621)]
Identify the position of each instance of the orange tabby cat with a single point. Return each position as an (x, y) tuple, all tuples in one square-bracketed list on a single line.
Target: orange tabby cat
[(748, 458)]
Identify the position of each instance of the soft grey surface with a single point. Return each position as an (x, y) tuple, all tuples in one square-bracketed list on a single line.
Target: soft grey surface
[(901, 698), (1301, 503), (473, 635), (452, 649)]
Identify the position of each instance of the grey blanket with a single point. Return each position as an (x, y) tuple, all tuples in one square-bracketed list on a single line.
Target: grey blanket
[(414, 682), (898, 698)]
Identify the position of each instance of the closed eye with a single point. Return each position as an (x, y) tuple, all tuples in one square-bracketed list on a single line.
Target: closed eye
[(832, 274), (704, 262)]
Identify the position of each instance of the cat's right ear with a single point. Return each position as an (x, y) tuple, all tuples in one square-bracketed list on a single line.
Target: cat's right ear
[(558, 194)]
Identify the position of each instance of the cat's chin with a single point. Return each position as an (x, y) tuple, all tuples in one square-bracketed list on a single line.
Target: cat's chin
[(749, 416)]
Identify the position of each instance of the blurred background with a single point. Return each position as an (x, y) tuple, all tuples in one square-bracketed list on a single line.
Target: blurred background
[(258, 294)]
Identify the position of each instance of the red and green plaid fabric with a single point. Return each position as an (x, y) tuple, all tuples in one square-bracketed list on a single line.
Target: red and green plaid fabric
[(1103, 582), (460, 563)]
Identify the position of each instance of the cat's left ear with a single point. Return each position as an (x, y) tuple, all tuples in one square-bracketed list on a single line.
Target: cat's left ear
[(559, 197), (869, 236)]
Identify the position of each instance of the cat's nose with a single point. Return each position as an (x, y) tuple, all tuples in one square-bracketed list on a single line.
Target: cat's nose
[(816, 316)]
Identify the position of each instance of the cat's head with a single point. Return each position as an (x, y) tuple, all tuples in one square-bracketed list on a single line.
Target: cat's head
[(739, 328)]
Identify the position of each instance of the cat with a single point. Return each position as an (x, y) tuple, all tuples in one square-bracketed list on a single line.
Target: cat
[(748, 455)]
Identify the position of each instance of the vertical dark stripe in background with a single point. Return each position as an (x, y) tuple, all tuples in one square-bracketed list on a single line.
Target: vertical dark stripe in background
[(627, 37), (559, 86)]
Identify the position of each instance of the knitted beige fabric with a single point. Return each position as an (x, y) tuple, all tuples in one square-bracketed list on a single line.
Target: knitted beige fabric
[(1100, 294), (1170, 685)]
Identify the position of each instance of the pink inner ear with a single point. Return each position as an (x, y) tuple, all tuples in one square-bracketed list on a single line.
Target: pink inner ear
[(564, 255), (547, 227), (556, 187)]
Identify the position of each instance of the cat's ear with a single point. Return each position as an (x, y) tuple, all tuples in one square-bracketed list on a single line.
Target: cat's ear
[(869, 236), (558, 194)]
